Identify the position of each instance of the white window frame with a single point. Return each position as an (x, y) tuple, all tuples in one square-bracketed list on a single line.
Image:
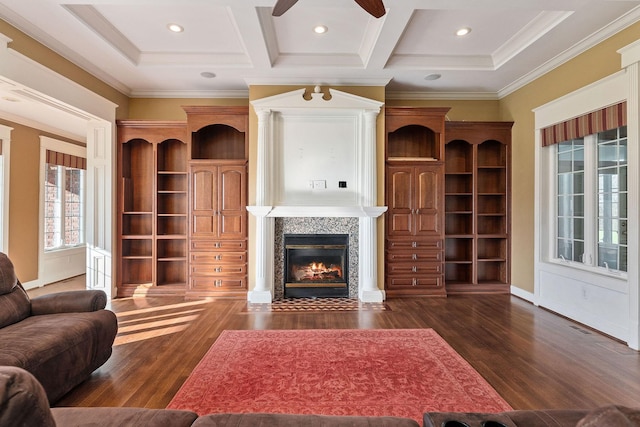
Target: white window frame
[(60, 263), (588, 294), (590, 256), (5, 162)]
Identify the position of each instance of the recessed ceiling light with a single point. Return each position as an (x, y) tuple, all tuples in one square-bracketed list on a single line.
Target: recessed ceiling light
[(208, 74), (463, 31), (175, 28), (432, 76), (320, 29)]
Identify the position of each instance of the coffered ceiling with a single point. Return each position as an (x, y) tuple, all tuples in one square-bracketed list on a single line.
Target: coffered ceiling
[(228, 45)]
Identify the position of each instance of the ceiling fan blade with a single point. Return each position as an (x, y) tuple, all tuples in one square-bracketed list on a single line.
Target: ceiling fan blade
[(282, 6), (374, 7)]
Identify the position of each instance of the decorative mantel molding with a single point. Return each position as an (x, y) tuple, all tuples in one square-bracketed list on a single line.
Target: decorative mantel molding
[(317, 211), (355, 117)]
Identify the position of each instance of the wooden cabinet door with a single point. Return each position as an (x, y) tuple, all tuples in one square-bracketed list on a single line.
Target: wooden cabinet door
[(400, 197), (428, 212), (204, 201), (232, 193)]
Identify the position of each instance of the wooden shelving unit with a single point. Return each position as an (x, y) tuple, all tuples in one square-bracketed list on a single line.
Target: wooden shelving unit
[(218, 199), (477, 206), (415, 196), (152, 202), (182, 204), (171, 225)]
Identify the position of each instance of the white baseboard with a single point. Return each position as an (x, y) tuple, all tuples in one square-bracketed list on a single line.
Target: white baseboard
[(525, 295)]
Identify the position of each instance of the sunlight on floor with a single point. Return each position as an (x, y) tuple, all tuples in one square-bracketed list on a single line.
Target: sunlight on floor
[(151, 322)]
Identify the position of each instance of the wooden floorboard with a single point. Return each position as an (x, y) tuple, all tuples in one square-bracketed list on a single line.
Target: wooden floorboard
[(532, 357)]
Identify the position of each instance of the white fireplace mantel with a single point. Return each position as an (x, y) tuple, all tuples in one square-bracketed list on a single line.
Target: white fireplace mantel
[(316, 157), (317, 211)]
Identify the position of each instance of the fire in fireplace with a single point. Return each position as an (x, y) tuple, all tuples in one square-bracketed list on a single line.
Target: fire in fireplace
[(316, 265)]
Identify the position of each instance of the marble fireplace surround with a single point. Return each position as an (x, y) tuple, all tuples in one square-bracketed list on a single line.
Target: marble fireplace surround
[(307, 145)]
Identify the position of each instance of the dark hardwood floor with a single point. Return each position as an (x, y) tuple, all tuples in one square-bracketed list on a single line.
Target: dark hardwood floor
[(533, 358)]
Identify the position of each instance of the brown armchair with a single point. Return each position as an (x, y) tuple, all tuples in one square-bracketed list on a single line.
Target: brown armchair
[(59, 338)]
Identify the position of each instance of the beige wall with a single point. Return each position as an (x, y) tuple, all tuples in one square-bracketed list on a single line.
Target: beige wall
[(484, 110), (595, 64), (171, 108)]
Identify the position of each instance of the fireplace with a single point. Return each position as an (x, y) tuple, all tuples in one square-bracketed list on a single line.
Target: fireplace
[(316, 265)]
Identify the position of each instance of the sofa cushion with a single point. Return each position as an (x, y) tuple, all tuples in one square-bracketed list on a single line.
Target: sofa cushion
[(23, 402), (291, 420), (118, 417), (611, 416), (470, 419), (60, 350), (14, 307), (14, 301), (8, 279)]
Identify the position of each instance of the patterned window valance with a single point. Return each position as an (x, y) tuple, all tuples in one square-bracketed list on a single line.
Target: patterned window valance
[(607, 118), (68, 160)]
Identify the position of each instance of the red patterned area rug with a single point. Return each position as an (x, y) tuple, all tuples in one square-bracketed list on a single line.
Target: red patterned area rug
[(395, 372)]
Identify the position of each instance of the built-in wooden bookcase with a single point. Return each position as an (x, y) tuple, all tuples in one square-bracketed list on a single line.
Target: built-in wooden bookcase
[(171, 225), (218, 199), (152, 168), (137, 213), (414, 196), (477, 206), (182, 204)]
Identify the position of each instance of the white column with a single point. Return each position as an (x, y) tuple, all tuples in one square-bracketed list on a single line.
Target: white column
[(368, 289), (369, 147), (368, 265), (263, 282), (100, 202), (633, 186), (630, 56)]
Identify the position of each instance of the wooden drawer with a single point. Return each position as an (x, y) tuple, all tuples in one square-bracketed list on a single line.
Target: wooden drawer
[(212, 245), (218, 257), (218, 269), (200, 283), (414, 256), (414, 269), (416, 244), (409, 282)]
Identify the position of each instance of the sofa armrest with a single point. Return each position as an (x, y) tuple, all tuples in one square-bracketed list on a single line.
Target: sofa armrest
[(69, 302)]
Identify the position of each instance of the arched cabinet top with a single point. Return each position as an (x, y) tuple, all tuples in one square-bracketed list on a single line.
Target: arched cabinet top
[(429, 117), (154, 132), (200, 116)]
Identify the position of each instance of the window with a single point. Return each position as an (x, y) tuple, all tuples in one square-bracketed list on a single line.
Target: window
[(570, 200), (591, 200), (612, 199), (63, 201)]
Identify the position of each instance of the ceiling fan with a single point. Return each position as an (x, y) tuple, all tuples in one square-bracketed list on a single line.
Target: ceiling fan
[(374, 7)]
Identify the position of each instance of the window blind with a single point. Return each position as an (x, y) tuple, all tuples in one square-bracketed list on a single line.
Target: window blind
[(611, 117), (68, 160)]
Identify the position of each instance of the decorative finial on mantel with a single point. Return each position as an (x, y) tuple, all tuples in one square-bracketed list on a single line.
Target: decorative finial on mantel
[(317, 90)]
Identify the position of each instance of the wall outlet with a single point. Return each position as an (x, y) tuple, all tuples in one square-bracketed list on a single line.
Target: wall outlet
[(319, 184)]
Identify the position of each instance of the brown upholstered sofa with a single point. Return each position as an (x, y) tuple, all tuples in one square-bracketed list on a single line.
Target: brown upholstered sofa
[(607, 416), (59, 338), (23, 402)]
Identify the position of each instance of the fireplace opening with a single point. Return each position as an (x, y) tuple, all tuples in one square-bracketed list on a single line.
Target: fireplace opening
[(316, 265)]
